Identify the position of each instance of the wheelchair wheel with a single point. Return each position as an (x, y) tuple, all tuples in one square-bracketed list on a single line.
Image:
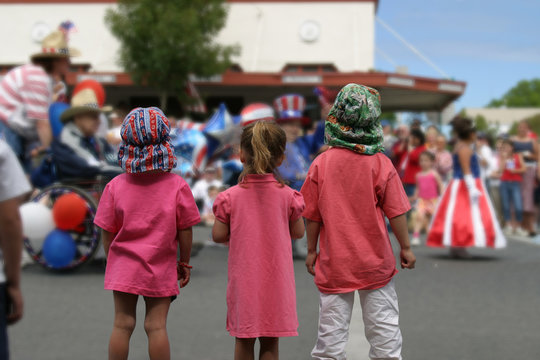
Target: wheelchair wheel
[(86, 236)]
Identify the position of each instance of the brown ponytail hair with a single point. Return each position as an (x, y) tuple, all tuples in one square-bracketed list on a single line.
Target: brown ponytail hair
[(263, 145)]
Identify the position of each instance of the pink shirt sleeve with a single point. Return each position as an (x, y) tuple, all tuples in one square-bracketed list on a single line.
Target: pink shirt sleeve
[(297, 206), (392, 197), (310, 192), (106, 216), (187, 213), (222, 208)]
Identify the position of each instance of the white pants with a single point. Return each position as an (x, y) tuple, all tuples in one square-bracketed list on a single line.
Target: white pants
[(381, 324)]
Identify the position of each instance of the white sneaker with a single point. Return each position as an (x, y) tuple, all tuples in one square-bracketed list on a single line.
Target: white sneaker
[(508, 230), (521, 232), (415, 241)]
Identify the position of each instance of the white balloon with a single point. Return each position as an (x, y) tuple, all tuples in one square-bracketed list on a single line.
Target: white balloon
[(37, 221)]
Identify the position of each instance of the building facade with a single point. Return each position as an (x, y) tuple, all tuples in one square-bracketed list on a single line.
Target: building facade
[(286, 46)]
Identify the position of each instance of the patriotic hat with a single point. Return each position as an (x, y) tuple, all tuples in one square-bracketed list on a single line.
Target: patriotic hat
[(146, 144), (255, 112), (290, 107), (55, 45), (353, 121), (85, 101)]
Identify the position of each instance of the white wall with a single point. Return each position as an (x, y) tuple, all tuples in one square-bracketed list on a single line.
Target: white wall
[(268, 33)]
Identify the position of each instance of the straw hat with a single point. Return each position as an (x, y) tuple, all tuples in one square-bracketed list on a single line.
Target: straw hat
[(84, 101), (55, 45)]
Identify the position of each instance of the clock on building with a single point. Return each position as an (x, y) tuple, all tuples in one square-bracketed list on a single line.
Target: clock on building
[(39, 31), (310, 31)]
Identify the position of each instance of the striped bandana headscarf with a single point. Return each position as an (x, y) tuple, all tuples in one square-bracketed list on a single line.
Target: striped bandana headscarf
[(353, 121), (146, 144)]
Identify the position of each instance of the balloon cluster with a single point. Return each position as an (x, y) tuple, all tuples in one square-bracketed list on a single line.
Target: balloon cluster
[(196, 144), (52, 228)]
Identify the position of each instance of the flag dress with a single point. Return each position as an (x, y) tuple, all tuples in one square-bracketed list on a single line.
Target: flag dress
[(460, 221)]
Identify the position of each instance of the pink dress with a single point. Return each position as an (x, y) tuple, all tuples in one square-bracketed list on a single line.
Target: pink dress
[(428, 193), (261, 292), (145, 211)]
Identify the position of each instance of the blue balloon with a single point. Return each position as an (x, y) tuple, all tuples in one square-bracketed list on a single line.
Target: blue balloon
[(59, 249), (55, 111), (189, 144)]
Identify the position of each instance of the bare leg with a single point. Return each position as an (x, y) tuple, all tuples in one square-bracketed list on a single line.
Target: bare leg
[(269, 348), (244, 349), (125, 306), (155, 325)]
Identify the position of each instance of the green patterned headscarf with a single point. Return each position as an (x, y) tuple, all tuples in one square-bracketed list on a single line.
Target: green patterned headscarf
[(353, 121)]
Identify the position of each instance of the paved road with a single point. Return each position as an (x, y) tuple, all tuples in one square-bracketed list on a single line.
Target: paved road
[(485, 308)]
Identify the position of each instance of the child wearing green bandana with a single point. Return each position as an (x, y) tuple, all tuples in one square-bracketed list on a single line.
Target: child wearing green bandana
[(348, 191)]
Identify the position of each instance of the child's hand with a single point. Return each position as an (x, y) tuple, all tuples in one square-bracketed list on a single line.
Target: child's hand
[(311, 258), (407, 259), (184, 274)]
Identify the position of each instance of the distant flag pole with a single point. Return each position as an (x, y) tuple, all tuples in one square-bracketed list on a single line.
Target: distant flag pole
[(198, 106), (412, 48)]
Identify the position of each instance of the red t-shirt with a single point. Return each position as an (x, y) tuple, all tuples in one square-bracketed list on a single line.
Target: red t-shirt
[(511, 164), (412, 167), (350, 194)]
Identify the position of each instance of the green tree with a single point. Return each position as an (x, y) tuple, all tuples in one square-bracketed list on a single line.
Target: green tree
[(163, 42), (526, 93)]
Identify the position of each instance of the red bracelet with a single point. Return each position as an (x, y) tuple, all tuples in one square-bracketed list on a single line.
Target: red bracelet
[(185, 265)]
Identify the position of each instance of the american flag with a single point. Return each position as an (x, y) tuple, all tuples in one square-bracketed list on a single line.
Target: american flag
[(67, 27)]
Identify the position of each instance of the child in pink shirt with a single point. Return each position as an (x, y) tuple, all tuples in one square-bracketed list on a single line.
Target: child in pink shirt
[(348, 191), (146, 215), (429, 187), (258, 218)]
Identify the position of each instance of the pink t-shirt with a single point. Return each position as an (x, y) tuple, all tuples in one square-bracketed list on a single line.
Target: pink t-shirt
[(350, 194), (428, 188), (145, 211), (261, 292)]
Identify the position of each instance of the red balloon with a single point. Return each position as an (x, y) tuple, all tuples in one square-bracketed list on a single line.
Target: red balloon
[(92, 85), (69, 211)]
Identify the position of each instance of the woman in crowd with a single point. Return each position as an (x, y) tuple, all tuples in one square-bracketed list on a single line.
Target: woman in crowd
[(526, 145)]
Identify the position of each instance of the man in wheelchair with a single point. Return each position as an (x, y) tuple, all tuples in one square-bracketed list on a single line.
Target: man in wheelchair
[(78, 152)]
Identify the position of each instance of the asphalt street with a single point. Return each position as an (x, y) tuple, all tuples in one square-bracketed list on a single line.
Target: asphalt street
[(485, 308)]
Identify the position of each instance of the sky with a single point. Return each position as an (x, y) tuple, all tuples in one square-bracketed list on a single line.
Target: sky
[(489, 44)]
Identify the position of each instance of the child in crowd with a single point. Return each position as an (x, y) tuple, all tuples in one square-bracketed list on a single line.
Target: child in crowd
[(258, 217), (348, 191), (429, 187), (512, 167), (146, 215), (200, 188), (410, 165), (207, 215)]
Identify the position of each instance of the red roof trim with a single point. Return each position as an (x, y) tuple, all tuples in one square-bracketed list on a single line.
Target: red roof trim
[(375, 79)]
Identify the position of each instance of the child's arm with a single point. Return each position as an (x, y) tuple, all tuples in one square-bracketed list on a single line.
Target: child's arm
[(297, 229), (313, 229), (399, 227), (522, 167), (106, 239), (220, 232), (185, 238)]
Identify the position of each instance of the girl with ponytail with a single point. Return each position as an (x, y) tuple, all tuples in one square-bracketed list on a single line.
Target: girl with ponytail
[(258, 218)]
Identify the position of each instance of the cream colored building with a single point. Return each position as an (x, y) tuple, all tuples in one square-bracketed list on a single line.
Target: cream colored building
[(286, 46), (502, 116)]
